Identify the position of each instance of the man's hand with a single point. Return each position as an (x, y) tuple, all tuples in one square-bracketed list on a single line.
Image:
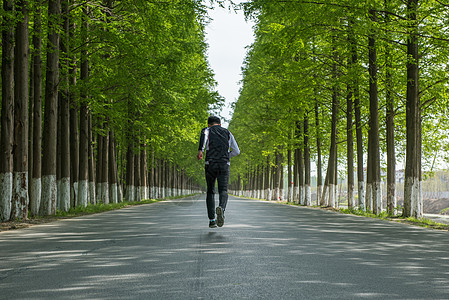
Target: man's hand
[(200, 155)]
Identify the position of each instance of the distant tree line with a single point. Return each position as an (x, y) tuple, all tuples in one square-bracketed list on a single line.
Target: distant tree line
[(361, 85)]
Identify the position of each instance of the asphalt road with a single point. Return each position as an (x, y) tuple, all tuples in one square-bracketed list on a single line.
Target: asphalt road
[(165, 250)]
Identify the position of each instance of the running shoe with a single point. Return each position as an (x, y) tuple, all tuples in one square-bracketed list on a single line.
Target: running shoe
[(220, 216), (212, 224)]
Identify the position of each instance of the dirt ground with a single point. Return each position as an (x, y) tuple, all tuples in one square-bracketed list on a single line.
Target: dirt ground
[(435, 206)]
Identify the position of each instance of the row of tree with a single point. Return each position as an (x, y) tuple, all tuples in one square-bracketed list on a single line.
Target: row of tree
[(325, 77), (98, 96)]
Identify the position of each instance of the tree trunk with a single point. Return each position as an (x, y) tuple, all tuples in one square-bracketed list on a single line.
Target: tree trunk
[(307, 167), (74, 124), (64, 202), (277, 182), (104, 180), (113, 174), (35, 184), (19, 205), (318, 150), (332, 165), (137, 179), (49, 192), (130, 172), (99, 168), (272, 181), (159, 178), (391, 156), (83, 190), (354, 89), (350, 148), (359, 136), (152, 175), (374, 193), (267, 189), (412, 185), (143, 173), (261, 176), (91, 162), (289, 176)]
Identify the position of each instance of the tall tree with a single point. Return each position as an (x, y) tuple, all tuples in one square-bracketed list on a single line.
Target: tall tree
[(49, 190), (373, 185), (412, 184), (390, 112), (35, 182), (7, 117), (83, 189), (64, 111), (19, 207)]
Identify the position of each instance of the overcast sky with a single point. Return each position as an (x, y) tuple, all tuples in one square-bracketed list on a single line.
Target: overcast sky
[(228, 35)]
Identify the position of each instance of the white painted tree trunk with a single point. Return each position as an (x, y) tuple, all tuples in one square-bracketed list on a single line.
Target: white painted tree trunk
[(369, 197), (20, 195), (130, 193), (318, 195), (49, 192), (92, 193), (290, 194), (301, 195), (307, 195), (98, 190), (58, 193), (276, 194), (392, 189), (267, 195), (75, 193), (296, 194), (377, 198), (35, 194), (419, 206), (361, 195), (336, 195), (113, 193), (83, 191), (119, 193), (137, 193), (64, 193), (332, 195), (105, 193), (413, 191), (324, 196), (351, 201)]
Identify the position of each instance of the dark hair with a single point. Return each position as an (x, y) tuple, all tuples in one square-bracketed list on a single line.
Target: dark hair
[(213, 120)]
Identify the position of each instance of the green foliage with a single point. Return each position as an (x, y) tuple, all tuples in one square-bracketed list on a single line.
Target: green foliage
[(149, 78), (289, 68)]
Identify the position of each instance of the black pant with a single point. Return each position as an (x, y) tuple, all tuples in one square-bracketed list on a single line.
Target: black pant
[(219, 172)]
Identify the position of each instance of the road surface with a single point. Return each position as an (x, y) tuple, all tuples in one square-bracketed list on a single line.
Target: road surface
[(265, 250)]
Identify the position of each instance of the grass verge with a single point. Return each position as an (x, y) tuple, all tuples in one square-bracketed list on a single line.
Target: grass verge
[(424, 222)]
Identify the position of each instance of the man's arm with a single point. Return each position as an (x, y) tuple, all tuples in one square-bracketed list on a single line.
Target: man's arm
[(202, 145), (233, 145)]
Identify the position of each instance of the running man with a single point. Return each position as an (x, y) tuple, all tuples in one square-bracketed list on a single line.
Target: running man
[(220, 146)]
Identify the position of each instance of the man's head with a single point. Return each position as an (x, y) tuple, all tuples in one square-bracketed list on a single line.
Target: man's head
[(213, 120)]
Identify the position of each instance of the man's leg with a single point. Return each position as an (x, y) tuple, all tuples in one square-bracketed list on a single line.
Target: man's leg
[(223, 180), (210, 201)]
